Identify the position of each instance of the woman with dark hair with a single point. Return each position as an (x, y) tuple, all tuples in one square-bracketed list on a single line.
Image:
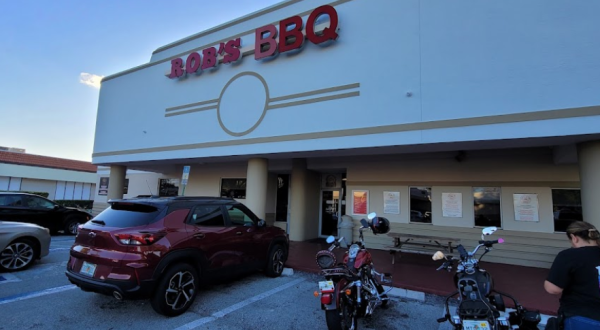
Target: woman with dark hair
[(575, 274)]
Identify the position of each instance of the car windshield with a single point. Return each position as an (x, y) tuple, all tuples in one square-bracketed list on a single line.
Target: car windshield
[(123, 215)]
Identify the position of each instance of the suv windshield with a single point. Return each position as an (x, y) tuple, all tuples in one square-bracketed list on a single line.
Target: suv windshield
[(122, 215)]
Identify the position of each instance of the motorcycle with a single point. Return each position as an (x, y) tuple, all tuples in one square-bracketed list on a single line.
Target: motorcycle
[(479, 304), (354, 288)]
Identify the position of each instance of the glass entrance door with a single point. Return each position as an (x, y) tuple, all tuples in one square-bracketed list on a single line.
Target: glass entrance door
[(331, 211)]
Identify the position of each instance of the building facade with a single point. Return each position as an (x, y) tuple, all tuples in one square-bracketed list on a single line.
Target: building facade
[(444, 117), (62, 179)]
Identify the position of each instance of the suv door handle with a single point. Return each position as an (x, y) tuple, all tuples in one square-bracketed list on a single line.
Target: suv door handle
[(199, 236), (238, 233)]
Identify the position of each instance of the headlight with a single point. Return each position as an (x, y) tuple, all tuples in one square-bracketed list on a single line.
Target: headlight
[(353, 250)]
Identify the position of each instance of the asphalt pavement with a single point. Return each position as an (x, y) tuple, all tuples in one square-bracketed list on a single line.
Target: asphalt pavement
[(42, 298)]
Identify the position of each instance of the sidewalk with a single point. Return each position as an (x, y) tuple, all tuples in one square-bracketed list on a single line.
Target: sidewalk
[(417, 272)]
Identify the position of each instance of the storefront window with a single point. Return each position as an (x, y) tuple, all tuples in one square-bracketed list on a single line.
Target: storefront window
[(420, 204), (168, 187), (566, 205), (233, 188), (486, 203)]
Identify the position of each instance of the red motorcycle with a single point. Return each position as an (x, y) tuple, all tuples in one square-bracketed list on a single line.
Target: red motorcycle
[(354, 288)]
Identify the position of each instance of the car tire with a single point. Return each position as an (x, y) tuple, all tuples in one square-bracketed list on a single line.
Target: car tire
[(26, 251), (71, 225), (171, 298), (276, 261)]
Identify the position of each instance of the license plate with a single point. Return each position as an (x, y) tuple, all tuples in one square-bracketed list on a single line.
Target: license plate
[(88, 269), (475, 325), (326, 285)]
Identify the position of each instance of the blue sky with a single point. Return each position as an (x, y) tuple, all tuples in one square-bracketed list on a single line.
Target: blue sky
[(51, 52)]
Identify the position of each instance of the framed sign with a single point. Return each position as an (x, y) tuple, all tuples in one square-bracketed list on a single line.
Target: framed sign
[(391, 202), (103, 186), (452, 205), (526, 207), (360, 202)]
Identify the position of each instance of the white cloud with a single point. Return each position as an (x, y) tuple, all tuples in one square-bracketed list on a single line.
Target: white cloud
[(90, 79)]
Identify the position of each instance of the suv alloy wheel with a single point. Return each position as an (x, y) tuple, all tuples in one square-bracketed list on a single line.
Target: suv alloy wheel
[(176, 290)]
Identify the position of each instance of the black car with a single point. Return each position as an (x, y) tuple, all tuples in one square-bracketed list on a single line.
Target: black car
[(22, 207)]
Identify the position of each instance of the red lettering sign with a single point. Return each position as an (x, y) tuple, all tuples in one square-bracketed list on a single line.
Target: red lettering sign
[(176, 68), (193, 62), (265, 36), (290, 39), (329, 33), (232, 51), (209, 58), (268, 42)]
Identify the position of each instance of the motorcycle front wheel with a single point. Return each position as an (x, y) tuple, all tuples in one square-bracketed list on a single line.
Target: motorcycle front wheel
[(342, 318)]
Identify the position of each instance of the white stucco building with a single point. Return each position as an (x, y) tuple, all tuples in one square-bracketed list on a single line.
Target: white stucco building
[(62, 179), (443, 116)]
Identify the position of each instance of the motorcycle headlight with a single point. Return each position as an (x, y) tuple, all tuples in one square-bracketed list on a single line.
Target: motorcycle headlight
[(353, 250)]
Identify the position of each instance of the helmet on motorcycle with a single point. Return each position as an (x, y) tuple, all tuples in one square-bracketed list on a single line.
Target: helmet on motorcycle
[(380, 225)]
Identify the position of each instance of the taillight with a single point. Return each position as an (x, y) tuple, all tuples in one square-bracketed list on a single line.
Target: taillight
[(139, 238), (326, 298)]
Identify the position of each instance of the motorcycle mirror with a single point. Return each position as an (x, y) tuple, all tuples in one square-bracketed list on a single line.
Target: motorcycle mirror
[(488, 231), (372, 216), (330, 239), (438, 255), (364, 223)]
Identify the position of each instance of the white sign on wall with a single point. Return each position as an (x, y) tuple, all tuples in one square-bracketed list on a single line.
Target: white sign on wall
[(391, 202), (452, 205), (526, 207)]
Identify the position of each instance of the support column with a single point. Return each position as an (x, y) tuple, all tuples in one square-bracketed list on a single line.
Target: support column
[(256, 186), (116, 182), (589, 176), (304, 202), (297, 200)]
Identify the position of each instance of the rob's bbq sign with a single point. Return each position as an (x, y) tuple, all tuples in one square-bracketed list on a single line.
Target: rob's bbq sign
[(268, 43)]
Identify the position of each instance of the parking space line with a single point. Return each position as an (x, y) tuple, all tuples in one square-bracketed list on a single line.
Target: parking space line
[(35, 294), (8, 278), (241, 304)]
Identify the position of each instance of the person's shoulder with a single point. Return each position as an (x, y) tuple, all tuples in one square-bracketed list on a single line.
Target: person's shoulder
[(567, 253)]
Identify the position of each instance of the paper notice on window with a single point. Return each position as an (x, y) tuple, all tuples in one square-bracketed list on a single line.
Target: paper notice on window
[(526, 207), (391, 202), (452, 205)]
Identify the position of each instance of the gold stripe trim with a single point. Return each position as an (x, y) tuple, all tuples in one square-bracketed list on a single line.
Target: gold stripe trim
[(315, 92), (452, 123), (190, 111), (315, 100), (147, 65), (191, 105)]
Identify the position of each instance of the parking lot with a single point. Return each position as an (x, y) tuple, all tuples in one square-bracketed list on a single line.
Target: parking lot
[(42, 298)]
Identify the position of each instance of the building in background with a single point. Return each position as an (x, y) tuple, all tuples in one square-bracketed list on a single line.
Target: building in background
[(62, 179), (442, 116)]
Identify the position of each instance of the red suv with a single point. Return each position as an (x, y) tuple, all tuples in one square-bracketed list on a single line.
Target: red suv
[(160, 248)]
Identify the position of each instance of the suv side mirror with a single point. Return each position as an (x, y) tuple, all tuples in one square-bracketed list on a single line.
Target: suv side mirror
[(56, 206), (261, 223)]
